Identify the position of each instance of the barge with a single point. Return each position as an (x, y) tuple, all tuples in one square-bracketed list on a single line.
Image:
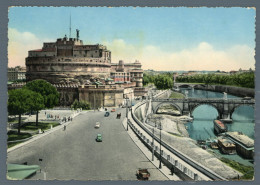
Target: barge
[(219, 126)]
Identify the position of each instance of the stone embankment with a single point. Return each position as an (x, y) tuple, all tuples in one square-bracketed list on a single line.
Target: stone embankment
[(170, 124), (175, 134), (237, 91)]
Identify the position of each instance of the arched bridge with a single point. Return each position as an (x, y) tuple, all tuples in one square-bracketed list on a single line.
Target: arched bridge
[(225, 107), (187, 85)]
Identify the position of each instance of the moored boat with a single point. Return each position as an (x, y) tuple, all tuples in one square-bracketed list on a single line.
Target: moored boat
[(219, 126)]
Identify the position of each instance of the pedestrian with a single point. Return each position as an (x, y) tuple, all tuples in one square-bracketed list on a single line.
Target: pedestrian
[(45, 112), (64, 128), (172, 170)]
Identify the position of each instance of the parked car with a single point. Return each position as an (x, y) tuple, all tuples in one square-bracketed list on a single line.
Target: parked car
[(142, 174), (113, 110), (99, 138), (97, 125), (107, 114)]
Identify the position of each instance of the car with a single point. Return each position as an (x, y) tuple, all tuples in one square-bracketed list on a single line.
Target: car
[(113, 110), (97, 125), (99, 138), (106, 114)]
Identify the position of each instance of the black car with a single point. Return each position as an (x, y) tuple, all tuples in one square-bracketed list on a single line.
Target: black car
[(106, 114)]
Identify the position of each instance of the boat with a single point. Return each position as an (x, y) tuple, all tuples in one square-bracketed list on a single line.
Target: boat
[(219, 126), (227, 146), (214, 145)]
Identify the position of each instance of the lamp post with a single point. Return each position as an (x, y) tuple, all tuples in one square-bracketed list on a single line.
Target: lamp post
[(153, 146), (160, 165), (127, 114)]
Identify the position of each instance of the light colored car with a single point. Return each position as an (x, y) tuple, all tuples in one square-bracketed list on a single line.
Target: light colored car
[(97, 125)]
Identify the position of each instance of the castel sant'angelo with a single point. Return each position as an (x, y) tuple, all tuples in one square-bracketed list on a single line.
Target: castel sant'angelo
[(85, 72)]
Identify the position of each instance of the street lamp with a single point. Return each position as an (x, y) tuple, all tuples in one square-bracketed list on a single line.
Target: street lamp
[(153, 146), (160, 165), (127, 114)]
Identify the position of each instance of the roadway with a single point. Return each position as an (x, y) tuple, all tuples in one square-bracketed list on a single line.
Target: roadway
[(75, 154)]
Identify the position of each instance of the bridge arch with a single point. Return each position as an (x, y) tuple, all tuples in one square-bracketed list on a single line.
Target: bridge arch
[(199, 85), (167, 103), (200, 104), (185, 86), (237, 106)]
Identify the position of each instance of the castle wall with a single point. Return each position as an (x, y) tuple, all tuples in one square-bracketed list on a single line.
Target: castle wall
[(101, 96), (58, 69), (68, 61), (68, 95)]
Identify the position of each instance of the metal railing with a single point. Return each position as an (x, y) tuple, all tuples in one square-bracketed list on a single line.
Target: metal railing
[(207, 172)]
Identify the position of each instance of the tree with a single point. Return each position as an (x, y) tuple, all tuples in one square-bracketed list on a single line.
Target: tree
[(48, 92), (36, 103), (19, 102), (163, 82), (80, 104)]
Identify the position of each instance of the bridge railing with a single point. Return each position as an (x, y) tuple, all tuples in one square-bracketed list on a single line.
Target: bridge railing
[(210, 100), (169, 160)]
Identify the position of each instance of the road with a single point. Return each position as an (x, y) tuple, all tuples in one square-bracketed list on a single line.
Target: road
[(75, 154)]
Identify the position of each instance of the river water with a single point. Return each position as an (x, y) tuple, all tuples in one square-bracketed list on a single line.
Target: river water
[(202, 126)]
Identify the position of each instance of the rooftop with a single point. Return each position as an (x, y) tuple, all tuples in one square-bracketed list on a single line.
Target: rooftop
[(244, 139)]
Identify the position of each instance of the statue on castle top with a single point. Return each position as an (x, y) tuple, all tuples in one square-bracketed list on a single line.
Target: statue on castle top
[(77, 30)]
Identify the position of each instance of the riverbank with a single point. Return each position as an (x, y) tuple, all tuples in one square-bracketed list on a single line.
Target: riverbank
[(176, 95), (175, 134), (170, 124), (236, 91)]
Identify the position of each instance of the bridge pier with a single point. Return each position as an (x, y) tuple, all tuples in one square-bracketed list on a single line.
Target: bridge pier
[(186, 110), (186, 113), (186, 106)]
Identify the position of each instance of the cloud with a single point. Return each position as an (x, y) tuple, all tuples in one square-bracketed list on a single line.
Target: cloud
[(123, 51), (19, 44), (202, 57)]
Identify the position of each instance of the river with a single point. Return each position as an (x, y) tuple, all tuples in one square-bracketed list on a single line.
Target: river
[(202, 126)]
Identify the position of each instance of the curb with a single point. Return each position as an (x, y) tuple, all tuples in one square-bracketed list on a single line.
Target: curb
[(38, 136), (132, 137)]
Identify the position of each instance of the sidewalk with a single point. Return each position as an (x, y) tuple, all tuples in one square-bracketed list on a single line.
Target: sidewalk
[(38, 136), (164, 170)]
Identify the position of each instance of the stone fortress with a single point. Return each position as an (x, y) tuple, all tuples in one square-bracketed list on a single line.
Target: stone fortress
[(85, 72)]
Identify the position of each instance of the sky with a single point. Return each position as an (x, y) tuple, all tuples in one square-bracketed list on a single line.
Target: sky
[(166, 39)]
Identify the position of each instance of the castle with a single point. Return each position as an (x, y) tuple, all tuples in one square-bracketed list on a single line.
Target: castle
[(85, 72)]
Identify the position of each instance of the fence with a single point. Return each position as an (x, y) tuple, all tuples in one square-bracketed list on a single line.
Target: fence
[(183, 166)]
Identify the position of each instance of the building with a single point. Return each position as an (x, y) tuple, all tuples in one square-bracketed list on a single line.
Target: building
[(68, 61), (16, 73), (85, 72)]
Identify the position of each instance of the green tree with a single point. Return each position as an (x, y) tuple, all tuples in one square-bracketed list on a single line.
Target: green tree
[(19, 102), (48, 92), (80, 104), (36, 103), (163, 82)]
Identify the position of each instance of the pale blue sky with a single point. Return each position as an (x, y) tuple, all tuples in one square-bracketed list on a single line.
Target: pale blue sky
[(174, 32)]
